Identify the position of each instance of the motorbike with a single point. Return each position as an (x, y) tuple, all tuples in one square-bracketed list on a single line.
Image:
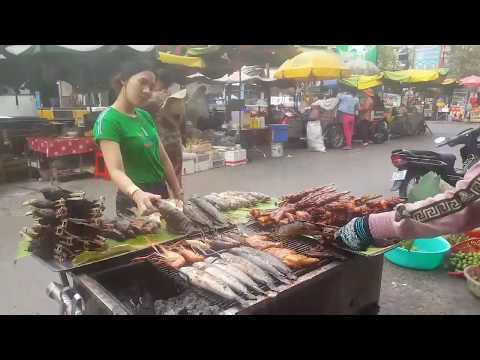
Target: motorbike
[(378, 131), (413, 164), (410, 124)]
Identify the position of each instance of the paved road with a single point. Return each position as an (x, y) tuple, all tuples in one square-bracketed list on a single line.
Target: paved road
[(363, 170)]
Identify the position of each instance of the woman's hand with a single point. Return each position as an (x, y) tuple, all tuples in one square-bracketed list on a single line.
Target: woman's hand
[(145, 201)]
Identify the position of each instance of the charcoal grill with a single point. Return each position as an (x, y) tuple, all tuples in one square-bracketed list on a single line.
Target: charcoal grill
[(331, 287)]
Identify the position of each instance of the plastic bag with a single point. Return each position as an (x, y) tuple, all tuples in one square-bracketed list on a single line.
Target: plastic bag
[(429, 185), (315, 137)]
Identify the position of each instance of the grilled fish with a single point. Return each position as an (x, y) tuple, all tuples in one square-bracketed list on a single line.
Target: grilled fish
[(210, 210), (195, 214), (207, 282), (236, 273), (224, 276), (262, 264), (177, 222), (252, 270), (269, 259)]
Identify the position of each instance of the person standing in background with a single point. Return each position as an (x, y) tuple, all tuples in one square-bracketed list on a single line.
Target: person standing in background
[(347, 109), (168, 110), (365, 115)]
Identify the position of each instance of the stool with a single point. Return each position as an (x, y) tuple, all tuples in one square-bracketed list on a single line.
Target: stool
[(101, 170)]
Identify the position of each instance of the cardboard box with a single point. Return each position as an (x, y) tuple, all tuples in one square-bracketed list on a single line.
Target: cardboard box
[(233, 156), (203, 162)]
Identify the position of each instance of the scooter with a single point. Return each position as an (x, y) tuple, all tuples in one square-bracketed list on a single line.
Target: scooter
[(378, 131), (413, 164)]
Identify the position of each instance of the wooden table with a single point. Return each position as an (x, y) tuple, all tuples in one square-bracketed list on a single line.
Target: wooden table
[(53, 148), (251, 139)]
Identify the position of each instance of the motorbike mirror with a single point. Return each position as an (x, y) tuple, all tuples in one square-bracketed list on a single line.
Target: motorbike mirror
[(440, 140)]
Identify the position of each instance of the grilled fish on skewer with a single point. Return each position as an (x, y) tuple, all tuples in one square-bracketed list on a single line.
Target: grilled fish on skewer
[(230, 280), (249, 268), (207, 282), (236, 273), (268, 258), (262, 264)]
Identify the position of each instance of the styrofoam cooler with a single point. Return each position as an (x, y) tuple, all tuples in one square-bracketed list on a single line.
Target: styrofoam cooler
[(277, 150), (203, 162), (188, 167), (236, 157)]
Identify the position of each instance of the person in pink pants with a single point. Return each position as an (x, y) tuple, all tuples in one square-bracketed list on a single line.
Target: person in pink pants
[(348, 122), (347, 108)]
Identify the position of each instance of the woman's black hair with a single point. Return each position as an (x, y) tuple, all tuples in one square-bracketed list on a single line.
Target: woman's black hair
[(165, 77), (128, 69)]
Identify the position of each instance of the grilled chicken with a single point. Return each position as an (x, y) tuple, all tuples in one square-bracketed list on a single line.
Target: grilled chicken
[(260, 242)]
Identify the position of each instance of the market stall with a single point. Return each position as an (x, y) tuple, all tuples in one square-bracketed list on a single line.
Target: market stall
[(224, 253), (48, 149)]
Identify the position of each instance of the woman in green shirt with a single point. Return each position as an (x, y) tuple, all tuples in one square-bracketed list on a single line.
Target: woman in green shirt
[(127, 136)]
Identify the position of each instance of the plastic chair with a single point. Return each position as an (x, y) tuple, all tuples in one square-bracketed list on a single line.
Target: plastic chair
[(101, 170)]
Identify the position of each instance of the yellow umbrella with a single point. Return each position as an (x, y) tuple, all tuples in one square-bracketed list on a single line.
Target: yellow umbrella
[(189, 61), (319, 65)]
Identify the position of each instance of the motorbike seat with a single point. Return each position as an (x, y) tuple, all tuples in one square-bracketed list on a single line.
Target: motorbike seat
[(448, 158)]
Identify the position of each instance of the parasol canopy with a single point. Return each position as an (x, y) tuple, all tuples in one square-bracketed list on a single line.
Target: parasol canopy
[(415, 75), (189, 61), (362, 82), (361, 67), (471, 82), (319, 65)]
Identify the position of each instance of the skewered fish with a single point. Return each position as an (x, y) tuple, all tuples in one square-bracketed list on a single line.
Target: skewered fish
[(224, 276), (249, 268), (209, 209), (236, 273), (207, 282), (177, 222), (195, 214), (267, 267), (268, 258)]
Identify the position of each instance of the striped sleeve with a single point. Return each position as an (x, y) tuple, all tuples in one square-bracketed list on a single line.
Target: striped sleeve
[(106, 127)]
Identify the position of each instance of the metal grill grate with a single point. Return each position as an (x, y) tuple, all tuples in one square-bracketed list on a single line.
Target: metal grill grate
[(301, 245)]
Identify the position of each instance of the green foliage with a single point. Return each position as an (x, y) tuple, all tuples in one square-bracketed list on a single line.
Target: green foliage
[(387, 59), (464, 60)]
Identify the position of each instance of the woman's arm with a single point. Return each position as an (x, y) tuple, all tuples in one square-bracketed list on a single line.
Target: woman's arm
[(114, 162), (170, 174), (451, 212)]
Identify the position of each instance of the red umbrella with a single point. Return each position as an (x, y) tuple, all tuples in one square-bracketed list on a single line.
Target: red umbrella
[(471, 81)]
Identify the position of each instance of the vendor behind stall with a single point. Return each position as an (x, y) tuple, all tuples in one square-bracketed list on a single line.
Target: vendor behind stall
[(168, 110), (133, 152)]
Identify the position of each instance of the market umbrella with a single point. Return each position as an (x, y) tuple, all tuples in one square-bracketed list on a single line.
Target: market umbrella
[(361, 67), (412, 76), (471, 82), (362, 82), (319, 65)]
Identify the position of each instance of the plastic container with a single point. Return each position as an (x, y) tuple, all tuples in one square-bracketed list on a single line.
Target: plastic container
[(472, 284), (467, 246), (429, 254), (279, 133), (277, 150)]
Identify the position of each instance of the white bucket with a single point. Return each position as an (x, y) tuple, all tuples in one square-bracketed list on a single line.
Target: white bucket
[(277, 149)]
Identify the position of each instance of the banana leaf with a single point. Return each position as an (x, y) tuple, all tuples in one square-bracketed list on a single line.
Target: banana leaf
[(242, 216), (22, 248)]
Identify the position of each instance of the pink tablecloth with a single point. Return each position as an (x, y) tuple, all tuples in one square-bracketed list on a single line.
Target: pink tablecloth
[(55, 147)]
